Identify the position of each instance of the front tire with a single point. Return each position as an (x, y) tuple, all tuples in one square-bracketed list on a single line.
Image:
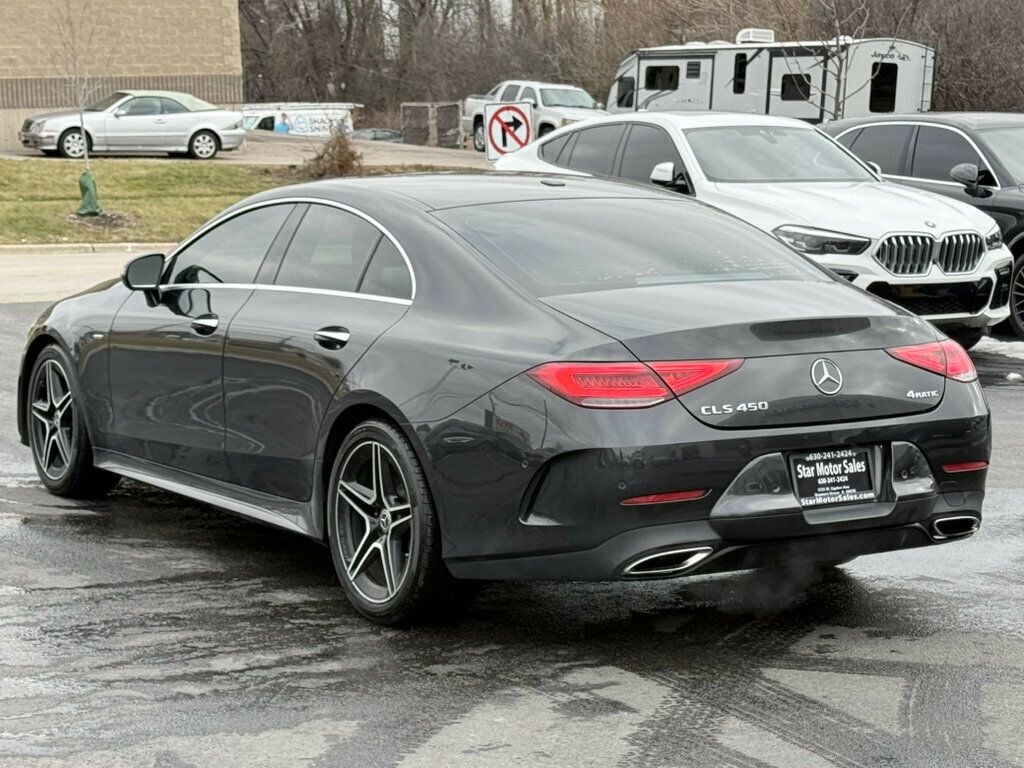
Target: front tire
[(71, 144), (203, 145), (544, 131), (57, 432), (384, 534)]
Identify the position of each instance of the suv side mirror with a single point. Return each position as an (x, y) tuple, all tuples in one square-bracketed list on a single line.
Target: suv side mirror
[(966, 174), (664, 175), (143, 273)]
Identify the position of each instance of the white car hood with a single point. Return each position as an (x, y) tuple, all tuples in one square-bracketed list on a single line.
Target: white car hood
[(868, 209)]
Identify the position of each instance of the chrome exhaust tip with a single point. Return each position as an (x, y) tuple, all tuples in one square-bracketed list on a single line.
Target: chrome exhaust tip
[(954, 527), (672, 561)]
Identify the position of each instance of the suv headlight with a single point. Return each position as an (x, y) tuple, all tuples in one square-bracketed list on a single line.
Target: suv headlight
[(994, 239), (819, 242)]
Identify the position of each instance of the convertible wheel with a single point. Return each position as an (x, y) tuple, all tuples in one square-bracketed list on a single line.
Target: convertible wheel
[(57, 433), (203, 146), (384, 534), (72, 144)]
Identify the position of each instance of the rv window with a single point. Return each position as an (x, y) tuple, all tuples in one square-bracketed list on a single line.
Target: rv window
[(938, 150), (796, 87), (625, 91), (739, 73), (883, 87), (692, 70), (883, 144), (661, 79), (646, 146), (595, 149)]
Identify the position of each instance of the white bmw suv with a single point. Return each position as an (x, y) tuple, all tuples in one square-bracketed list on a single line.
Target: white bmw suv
[(939, 258)]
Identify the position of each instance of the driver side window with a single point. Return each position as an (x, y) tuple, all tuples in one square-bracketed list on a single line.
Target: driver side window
[(233, 251), (144, 105)]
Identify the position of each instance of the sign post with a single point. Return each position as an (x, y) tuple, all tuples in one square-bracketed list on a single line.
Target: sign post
[(509, 128)]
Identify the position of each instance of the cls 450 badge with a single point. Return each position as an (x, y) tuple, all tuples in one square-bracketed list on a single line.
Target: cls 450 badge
[(727, 408)]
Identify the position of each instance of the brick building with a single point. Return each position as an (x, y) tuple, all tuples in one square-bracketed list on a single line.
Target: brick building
[(160, 44)]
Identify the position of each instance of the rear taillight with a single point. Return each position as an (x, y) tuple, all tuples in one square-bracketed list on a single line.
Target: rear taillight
[(964, 466), (946, 358), (629, 385)]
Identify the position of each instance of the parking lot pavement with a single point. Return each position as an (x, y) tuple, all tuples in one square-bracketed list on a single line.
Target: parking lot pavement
[(262, 148), (147, 630)]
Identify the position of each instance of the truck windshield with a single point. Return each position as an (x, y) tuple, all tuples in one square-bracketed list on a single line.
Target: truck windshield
[(1007, 144), (567, 97), (771, 153)]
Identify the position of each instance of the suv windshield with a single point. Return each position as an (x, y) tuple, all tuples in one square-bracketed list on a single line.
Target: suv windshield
[(106, 103), (567, 97), (773, 153), (557, 247), (1007, 144)]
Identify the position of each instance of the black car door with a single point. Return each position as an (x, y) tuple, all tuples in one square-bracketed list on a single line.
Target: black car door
[(935, 152), (341, 284), (166, 353)]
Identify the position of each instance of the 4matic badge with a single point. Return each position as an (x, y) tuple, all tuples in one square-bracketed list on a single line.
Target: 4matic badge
[(925, 394)]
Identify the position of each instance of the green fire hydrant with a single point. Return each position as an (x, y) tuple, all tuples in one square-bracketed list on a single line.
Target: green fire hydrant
[(90, 205)]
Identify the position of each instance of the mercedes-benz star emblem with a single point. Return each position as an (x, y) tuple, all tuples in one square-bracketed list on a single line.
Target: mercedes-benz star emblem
[(826, 376), (930, 224)]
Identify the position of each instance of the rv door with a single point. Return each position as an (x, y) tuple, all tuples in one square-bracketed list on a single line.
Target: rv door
[(675, 84)]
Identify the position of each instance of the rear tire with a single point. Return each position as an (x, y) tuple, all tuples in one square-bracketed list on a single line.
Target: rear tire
[(57, 432), (966, 337), (384, 534), (203, 145), (479, 140)]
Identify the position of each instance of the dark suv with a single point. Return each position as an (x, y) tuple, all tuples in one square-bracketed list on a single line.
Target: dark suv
[(975, 157)]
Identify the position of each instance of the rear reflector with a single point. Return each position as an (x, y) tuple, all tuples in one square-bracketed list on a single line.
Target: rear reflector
[(629, 385), (964, 466), (687, 375), (603, 385), (664, 498), (946, 358)]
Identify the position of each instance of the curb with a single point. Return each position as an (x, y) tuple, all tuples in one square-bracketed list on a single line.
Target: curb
[(43, 249)]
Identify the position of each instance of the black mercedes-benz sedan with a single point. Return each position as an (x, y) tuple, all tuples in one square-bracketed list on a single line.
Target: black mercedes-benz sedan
[(455, 378)]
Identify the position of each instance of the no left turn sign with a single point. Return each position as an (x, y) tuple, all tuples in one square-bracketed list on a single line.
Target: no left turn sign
[(509, 127)]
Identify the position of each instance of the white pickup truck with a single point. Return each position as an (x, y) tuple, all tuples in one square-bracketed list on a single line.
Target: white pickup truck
[(553, 106)]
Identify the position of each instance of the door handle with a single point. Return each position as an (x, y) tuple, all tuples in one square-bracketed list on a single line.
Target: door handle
[(160, 120), (204, 325), (332, 337)]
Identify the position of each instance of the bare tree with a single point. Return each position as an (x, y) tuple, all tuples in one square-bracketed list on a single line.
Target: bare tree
[(76, 55)]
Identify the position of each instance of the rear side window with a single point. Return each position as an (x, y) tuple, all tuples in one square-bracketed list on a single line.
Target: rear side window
[(233, 251), (509, 93), (171, 107), (387, 274), (550, 150), (646, 146), (938, 150), (558, 247), (796, 87), (661, 78), (883, 144), (329, 250), (595, 149)]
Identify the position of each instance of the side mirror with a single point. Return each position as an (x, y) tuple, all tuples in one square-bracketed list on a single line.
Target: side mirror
[(966, 174), (120, 112), (664, 174), (875, 167), (143, 273)]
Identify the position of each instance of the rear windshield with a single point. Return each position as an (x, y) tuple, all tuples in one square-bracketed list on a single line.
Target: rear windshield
[(556, 247)]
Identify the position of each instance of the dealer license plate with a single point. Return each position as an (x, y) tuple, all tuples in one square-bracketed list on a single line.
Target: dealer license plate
[(839, 476)]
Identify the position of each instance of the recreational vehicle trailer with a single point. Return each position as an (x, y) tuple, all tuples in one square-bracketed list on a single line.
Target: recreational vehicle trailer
[(814, 81)]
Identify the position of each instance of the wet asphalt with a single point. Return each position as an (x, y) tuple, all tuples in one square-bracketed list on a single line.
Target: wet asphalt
[(145, 630)]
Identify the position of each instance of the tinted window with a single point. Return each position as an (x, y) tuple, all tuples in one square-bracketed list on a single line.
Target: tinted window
[(595, 149), (147, 105), (1007, 144), (882, 97), (938, 150), (528, 94), (883, 144), (848, 138), (625, 92), (553, 247), (329, 250), (692, 70), (549, 150), (739, 73), (647, 146), (796, 87), (509, 93), (171, 107), (233, 251), (771, 153), (387, 274), (661, 78)]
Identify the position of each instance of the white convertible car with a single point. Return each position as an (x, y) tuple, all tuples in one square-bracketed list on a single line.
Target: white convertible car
[(138, 122)]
